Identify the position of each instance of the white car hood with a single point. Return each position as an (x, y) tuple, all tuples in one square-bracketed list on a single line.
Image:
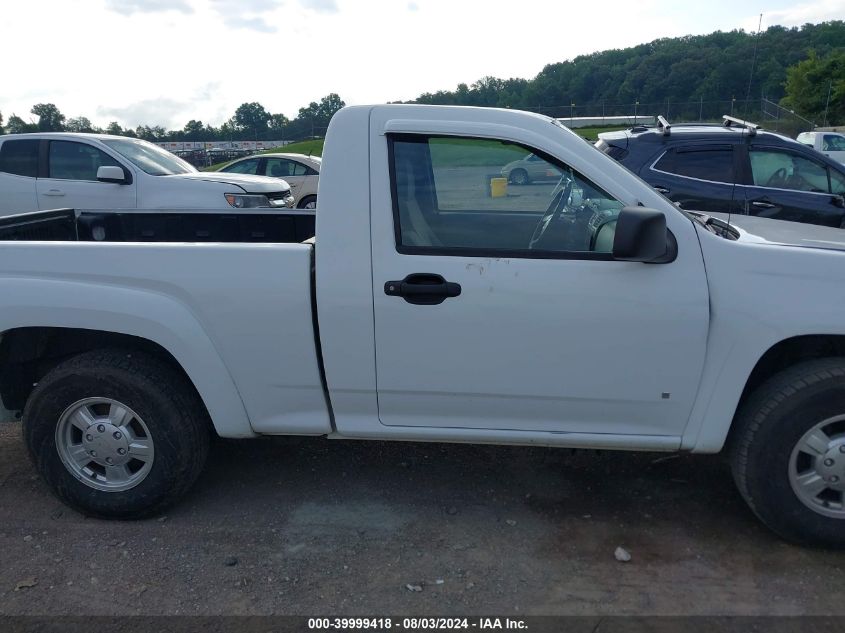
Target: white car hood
[(247, 182), (767, 231)]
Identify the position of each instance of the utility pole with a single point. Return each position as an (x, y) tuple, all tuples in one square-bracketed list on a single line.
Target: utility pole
[(826, 105)]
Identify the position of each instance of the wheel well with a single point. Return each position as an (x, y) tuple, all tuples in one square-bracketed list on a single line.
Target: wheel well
[(791, 352), (27, 354)]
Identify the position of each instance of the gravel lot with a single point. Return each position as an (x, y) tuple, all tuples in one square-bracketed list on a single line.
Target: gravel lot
[(310, 526)]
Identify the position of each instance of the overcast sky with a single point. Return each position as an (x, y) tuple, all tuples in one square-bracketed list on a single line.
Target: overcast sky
[(163, 62)]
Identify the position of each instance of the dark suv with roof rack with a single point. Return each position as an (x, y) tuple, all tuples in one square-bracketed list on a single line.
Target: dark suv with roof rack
[(735, 167)]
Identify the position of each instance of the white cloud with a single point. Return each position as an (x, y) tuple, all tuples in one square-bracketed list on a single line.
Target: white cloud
[(253, 15), (321, 6), (162, 111), (128, 7)]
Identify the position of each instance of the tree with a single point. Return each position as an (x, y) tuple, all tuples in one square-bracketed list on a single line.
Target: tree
[(79, 124), (114, 128), (278, 126), (1, 122), (49, 117), (17, 125), (252, 118), (194, 130), (328, 106), (816, 84)]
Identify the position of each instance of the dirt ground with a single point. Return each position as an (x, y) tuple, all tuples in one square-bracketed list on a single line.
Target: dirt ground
[(316, 527)]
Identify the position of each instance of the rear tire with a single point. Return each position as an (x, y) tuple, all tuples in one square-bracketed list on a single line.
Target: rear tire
[(128, 409), (787, 453)]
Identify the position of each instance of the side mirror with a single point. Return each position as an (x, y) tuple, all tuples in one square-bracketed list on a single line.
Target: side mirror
[(839, 200), (641, 236), (112, 173)]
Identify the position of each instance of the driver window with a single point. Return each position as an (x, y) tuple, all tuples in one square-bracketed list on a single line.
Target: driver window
[(784, 170), (487, 197)]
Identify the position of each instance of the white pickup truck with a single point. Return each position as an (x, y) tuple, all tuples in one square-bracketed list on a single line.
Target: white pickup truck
[(586, 311), (830, 144)]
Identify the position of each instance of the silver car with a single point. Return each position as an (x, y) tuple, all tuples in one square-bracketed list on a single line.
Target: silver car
[(301, 172), (530, 169)]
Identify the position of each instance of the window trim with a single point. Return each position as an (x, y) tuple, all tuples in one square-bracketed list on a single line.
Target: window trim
[(460, 251)]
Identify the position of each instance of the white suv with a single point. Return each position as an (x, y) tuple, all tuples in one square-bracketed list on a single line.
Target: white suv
[(97, 171)]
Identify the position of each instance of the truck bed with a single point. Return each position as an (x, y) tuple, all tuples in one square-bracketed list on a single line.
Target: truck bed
[(237, 317), (158, 225)]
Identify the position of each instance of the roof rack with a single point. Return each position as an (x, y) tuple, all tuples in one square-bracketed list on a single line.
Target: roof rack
[(729, 121), (663, 125)]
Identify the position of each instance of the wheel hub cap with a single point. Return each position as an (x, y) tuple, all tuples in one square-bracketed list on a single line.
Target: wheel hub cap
[(104, 444), (107, 444), (817, 468)]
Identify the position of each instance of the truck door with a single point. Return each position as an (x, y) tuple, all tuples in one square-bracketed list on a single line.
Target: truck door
[(509, 312), (72, 183)]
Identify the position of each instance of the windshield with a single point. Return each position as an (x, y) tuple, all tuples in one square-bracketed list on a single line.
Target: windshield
[(150, 158)]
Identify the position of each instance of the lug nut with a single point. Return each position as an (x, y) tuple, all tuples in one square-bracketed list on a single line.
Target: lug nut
[(828, 462), (117, 435), (89, 437), (842, 448), (93, 453), (101, 428), (833, 479), (121, 451), (108, 460)]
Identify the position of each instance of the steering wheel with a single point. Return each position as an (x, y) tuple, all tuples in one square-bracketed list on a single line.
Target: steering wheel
[(779, 177), (556, 207)]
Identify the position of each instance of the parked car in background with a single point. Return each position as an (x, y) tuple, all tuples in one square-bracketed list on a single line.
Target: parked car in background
[(530, 169), (98, 171), (831, 144), (301, 172), (733, 168)]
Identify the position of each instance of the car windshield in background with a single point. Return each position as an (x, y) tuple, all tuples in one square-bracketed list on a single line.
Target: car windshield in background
[(150, 158)]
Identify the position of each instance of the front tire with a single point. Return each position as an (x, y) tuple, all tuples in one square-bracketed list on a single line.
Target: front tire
[(788, 453), (116, 434), (308, 202), (519, 177)]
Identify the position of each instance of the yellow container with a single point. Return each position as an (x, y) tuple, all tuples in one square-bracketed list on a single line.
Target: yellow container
[(498, 187)]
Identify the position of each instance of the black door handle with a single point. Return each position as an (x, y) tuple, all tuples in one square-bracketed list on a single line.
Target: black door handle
[(425, 289)]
